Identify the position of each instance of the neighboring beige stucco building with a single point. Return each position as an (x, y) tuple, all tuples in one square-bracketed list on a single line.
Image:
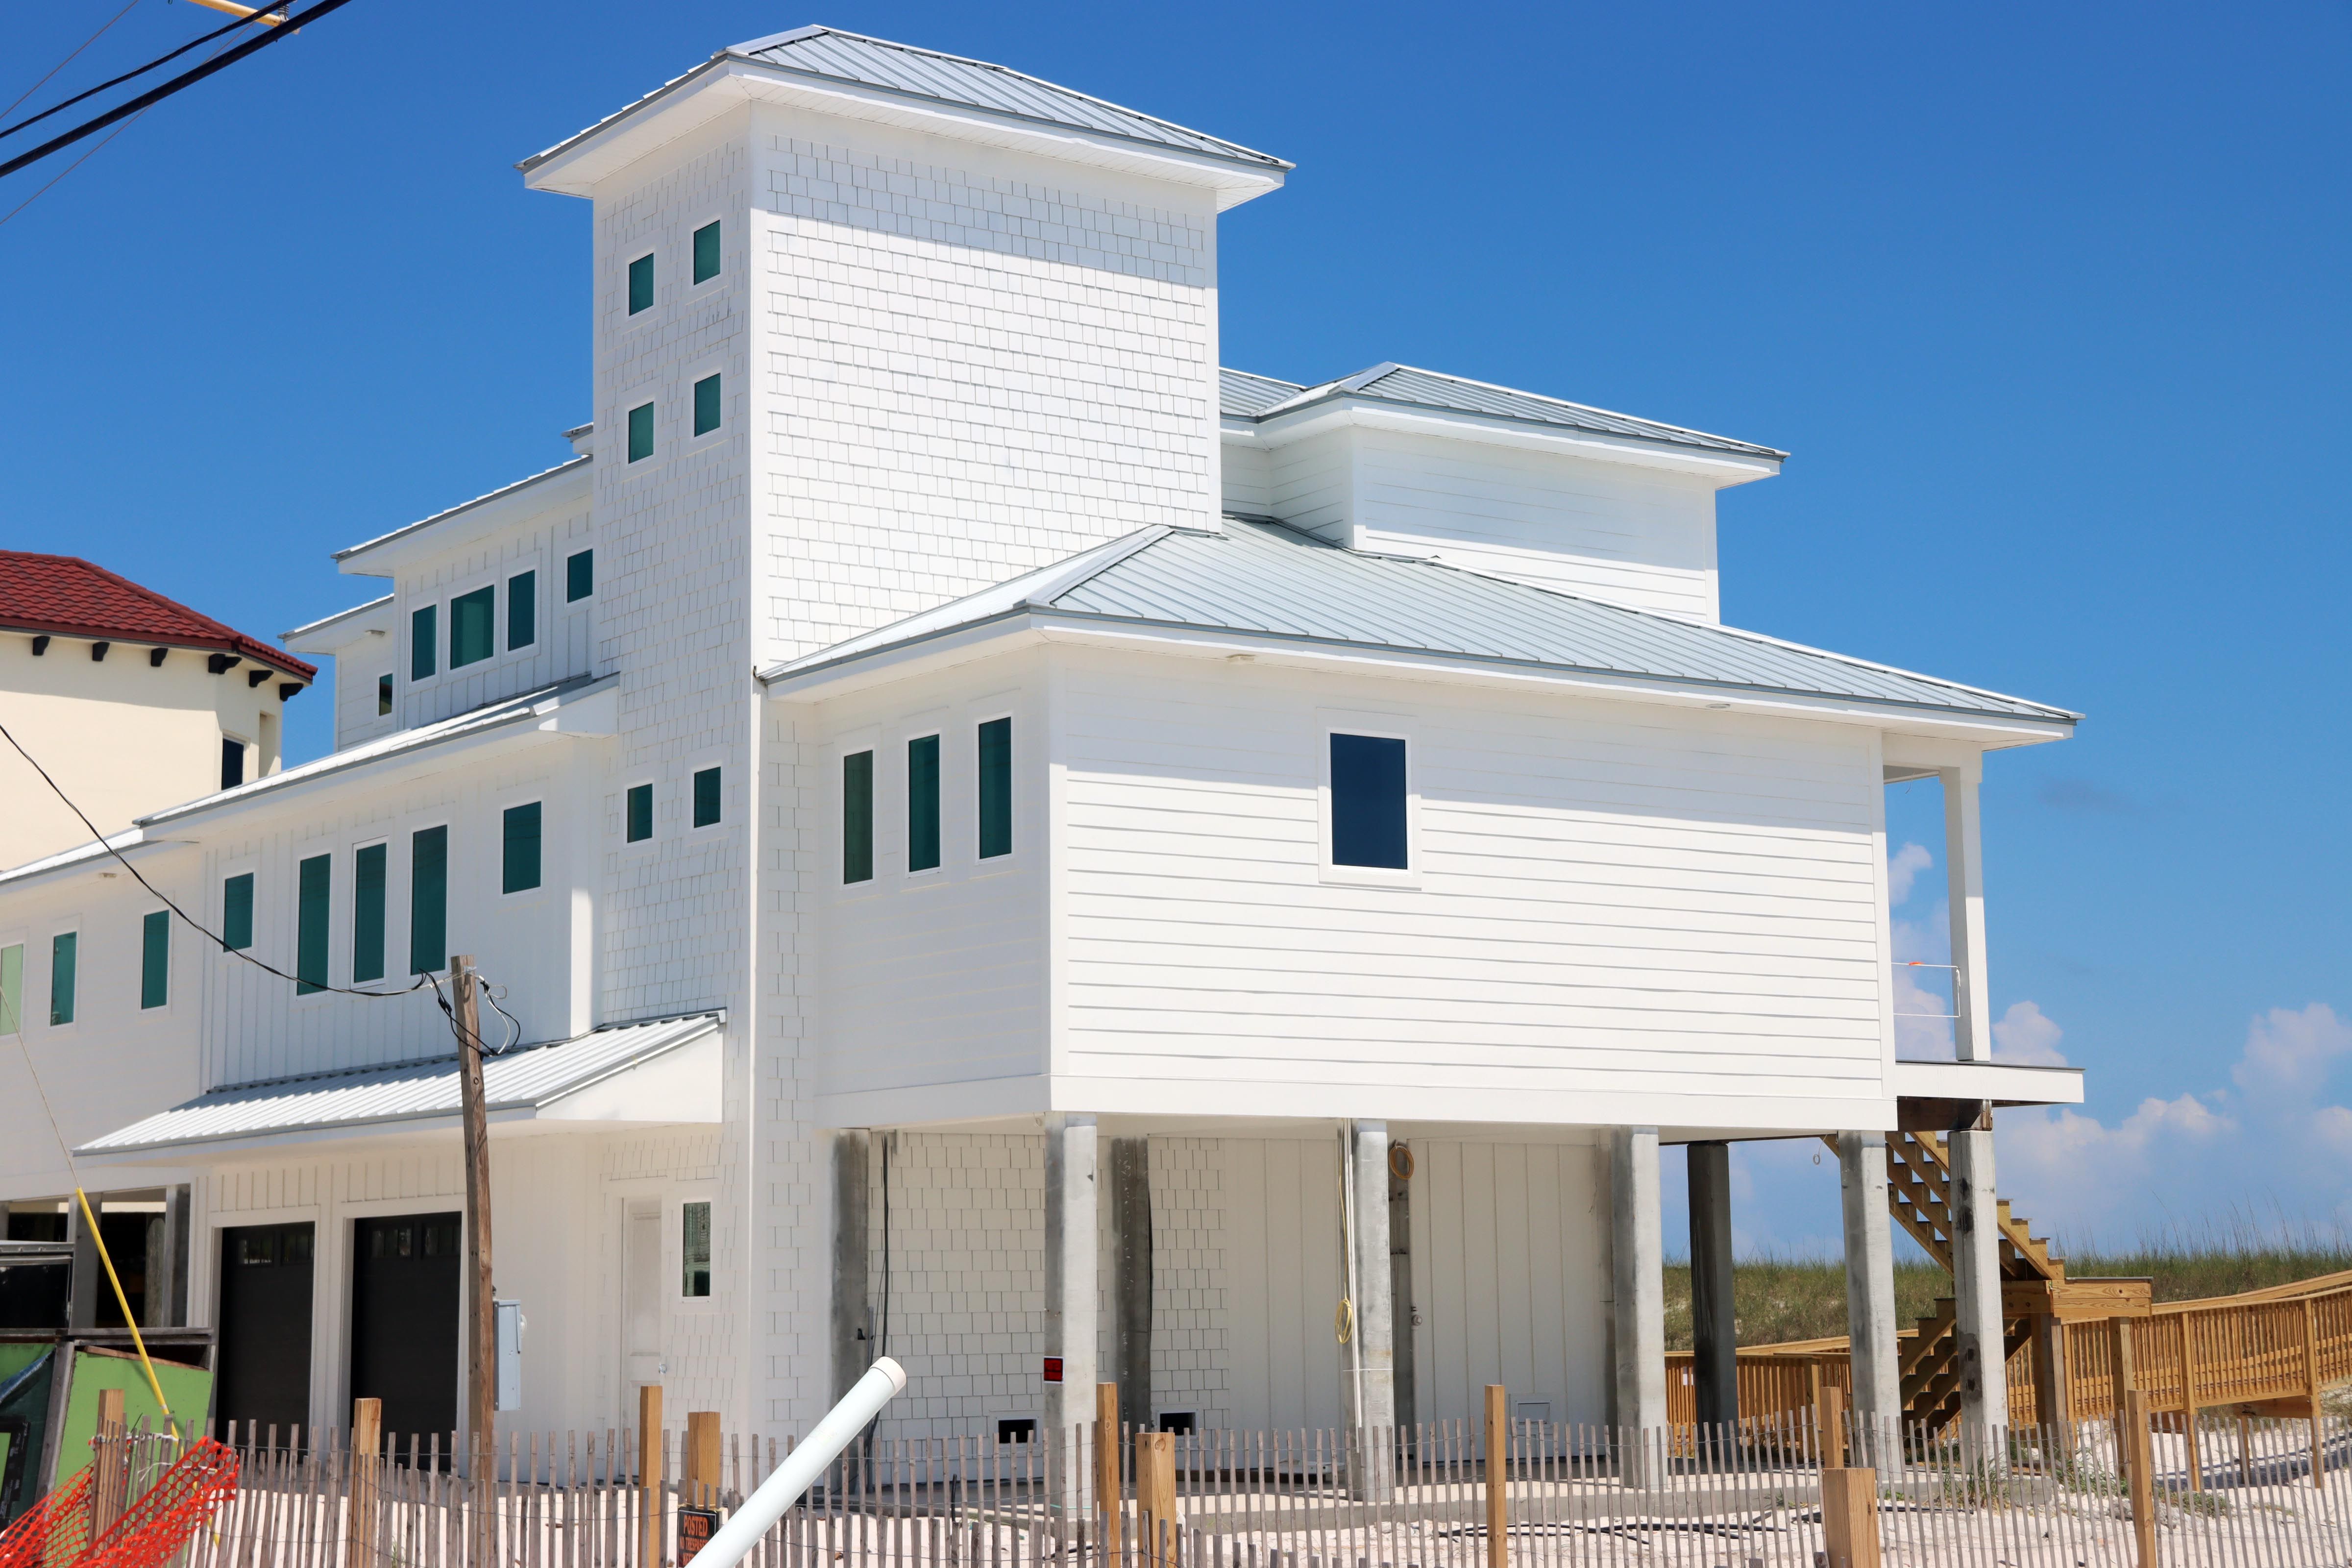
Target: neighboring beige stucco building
[(129, 701)]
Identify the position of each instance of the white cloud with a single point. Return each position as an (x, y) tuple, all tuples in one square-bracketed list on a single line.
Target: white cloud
[(1903, 869), (2028, 1037), (2288, 1052)]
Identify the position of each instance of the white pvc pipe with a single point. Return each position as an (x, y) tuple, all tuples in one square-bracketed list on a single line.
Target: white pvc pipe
[(800, 1468)]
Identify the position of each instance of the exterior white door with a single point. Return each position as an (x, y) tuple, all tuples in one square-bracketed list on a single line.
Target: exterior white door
[(641, 1297)]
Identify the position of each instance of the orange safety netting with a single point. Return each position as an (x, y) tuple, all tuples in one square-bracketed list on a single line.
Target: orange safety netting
[(55, 1531)]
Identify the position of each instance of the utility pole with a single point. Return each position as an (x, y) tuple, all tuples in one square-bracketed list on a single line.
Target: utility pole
[(481, 1321)]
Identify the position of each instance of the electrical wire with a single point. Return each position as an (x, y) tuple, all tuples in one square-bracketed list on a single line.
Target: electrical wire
[(70, 60), (185, 79), (194, 43)]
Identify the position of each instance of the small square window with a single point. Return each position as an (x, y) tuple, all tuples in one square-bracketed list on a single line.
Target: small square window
[(473, 636), (694, 1252), (641, 432), (706, 797), (640, 812), (641, 284), (1368, 802), (522, 610), (422, 643), (383, 696), (579, 576), (706, 406), (518, 867), (706, 253)]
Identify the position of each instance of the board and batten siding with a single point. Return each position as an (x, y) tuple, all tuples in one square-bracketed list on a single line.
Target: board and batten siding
[(1618, 912)]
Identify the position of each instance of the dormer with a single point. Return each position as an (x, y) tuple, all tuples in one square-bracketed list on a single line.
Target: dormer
[(1410, 462)]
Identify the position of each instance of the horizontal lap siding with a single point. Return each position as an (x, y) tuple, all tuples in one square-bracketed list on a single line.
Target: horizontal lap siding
[(1606, 900)]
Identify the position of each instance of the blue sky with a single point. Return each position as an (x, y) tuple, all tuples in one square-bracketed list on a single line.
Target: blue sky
[(2049, 304)]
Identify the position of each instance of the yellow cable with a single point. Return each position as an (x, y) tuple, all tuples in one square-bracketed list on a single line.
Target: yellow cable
[(124, 1302)]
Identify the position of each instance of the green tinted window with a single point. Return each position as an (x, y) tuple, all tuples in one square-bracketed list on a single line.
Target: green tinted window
[(236, 911), (857, 817), (368, 878), (706, 797), (155, 959), (923, 804), (428, 901), (523, 609), (641, 432), (421, 640), (315, 877), (706, 406), (63, 949), (641, 284), (706, 253), (11, 989), (641, 813), (472, 632), (518, 862), (579, 576), (996, 788)]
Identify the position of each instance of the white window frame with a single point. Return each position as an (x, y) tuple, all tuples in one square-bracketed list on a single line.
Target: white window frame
[(14, 936), (716, 278), (976, 716), (396, 960), (242, 865), (504, 603), (79, 926), (407, 659), (686, 804), (450, 624), (387, 695), (1377, 726), (170, 972), (679, 1194), (629, 258), (688, 440), (503, 805), (338, 876), (868, 738), (644, 846), (393, 956), (622, 404), (905, 795)]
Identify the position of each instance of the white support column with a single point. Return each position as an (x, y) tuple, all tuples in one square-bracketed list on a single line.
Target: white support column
[(1870, 1278), (1072, 1245), (1638, 1262), (1964, 877), (1368, 1370), (1976, 1287)]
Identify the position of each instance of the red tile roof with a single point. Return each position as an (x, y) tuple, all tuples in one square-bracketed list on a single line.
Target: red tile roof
[(65, 595)]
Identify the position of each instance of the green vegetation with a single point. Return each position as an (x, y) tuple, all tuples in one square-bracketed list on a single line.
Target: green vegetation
[(1780, 1298)]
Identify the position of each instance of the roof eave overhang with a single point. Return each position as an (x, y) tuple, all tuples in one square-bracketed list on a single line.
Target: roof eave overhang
[(1995, 1083), (384, 556), (1721, 468), (330, 634), (818, 679), (728, 81), (133, 844), (252, 649)]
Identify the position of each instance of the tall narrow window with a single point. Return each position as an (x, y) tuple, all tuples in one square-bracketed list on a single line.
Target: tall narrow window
[(579, 576), (155, 959), (522, 610), (706, 253), (232, 762), (236, 911), (422, 635), (706, 797), (694, 1251), (519, 863), (706, 406), (64, 948), (857, 817), (923, 804), (641, 284), (1368, 802), (383, 696), (11, 989), (640, 812), (428, 901), (996, 788), (368, 880), (472, 631), (314, 880), (641, 432)]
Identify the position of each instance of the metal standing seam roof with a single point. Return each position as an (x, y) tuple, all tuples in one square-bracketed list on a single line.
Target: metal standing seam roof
[(830, 54), (1254, 397), (523, 1078), (1262, 577)]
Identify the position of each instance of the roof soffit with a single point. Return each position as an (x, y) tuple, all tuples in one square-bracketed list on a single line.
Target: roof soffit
[(1721, 469)]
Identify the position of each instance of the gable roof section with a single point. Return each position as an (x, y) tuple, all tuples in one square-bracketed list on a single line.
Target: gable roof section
[(1260, 577), (1261, 397), (64, 595)]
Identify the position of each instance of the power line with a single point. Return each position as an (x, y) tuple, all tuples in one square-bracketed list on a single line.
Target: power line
[(185, 79), (159, 60), (68, 61)]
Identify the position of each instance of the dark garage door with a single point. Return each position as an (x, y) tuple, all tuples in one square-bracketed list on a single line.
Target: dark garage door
[(265, 1327), (404, 1275)]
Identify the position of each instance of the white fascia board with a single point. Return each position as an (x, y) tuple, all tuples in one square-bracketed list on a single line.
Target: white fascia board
[(679, 1086), (575, 167), (1861, 1111), (2003, 1083), (468, 523), (1721, 469), (330, 635), (133, 843)]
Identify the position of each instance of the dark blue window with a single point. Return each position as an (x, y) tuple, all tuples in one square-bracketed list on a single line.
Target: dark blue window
[(1368, 825)]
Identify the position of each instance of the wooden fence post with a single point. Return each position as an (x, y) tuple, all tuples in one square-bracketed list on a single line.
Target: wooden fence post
[(1829, 1417), (702, 1458), (1498, 1476), (649, 1475), (109, 1470), (1849, 1517), (2189, 1401), (2132, 1439), (1107, 1487), (2122, 1374), (2311, 1386), (1155, 1496), (359, 1516)]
